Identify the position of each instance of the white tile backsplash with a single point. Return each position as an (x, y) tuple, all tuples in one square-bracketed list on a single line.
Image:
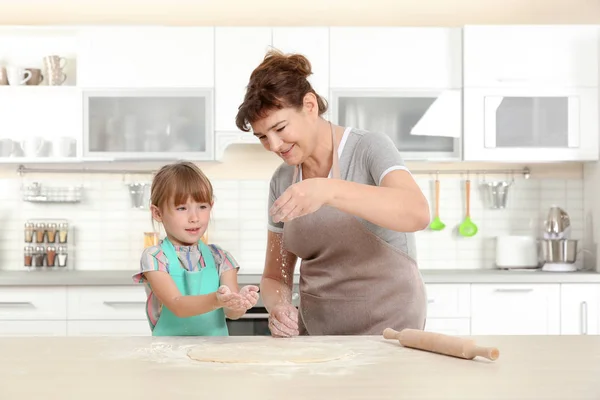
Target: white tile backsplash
[(109, 233)]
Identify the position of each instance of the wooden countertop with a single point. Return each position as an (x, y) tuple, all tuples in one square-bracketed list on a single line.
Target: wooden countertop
[(111, 368)]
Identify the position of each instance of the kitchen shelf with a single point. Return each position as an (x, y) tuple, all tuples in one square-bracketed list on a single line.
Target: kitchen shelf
[(36, 193)]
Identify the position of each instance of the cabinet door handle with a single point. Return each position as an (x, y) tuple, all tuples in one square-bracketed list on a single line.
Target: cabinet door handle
[(583, 318), (430, 301), (16, 304), (124, 303), (514, 290)]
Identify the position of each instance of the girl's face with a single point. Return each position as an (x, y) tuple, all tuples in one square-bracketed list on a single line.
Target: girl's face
[(290, 133), (184, 223)]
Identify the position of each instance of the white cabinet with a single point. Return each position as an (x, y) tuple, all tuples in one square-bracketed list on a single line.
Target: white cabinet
[(106, 303), (531, 124), (311, 42), (449, 326), (529, 55), (33, 328), (395, 57), (19, 303), (515, 309), (108, 328), (404, 82), (145, 57), (579, 313), (40, 120), (148, 124), (239, 50)]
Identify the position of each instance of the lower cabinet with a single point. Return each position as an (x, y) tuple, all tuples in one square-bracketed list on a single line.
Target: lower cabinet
[(452, 309)]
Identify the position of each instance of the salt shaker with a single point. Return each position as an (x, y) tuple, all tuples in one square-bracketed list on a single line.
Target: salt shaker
[(62, 256)]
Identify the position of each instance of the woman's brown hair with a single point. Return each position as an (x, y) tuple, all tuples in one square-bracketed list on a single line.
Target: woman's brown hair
[(175, 183), (279, 81)]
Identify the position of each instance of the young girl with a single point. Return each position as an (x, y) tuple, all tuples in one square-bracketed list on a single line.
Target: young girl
[(191, 286)]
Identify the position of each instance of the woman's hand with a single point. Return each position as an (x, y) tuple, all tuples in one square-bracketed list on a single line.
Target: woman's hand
[(302, 198), (283, 320)]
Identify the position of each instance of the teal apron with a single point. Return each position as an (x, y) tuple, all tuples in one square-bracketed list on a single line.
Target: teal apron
[(205, 281)]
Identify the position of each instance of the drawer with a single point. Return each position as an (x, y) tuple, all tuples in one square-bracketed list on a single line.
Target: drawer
[(33, 303), (448, 300), (106, 302), (449, 326), (33, 328), (108, 328)]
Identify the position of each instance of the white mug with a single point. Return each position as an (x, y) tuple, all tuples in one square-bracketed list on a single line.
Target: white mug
[(63, 147), (33, 147), (17, 75)]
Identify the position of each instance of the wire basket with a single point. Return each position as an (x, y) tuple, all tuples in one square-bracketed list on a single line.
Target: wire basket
[(36, 193)]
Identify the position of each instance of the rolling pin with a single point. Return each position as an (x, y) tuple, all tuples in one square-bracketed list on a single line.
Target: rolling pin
[(441, 344)]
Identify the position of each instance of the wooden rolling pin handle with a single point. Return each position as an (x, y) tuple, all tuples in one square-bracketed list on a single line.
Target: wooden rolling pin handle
[(441, 344)]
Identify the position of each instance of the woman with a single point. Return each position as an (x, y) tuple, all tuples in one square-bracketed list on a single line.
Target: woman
[(342, 202)]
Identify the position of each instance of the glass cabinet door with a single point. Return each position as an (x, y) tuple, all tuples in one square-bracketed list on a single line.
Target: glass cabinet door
[(156, 124), (422, 125), (532, 121)]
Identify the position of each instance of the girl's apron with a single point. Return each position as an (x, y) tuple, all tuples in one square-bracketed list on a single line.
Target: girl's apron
[(190, 283)]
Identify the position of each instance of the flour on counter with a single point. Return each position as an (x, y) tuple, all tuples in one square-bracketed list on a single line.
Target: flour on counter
[(345, 358)]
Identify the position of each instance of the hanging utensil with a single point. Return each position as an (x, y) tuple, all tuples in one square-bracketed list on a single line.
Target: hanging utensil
[(467, 227), (437, 224)]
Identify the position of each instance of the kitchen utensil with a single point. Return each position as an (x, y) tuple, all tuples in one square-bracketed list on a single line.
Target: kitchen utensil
[(36, 76), (17, 75), (517, 252), (437, 224), (441, 344), (496, 193), (467, 227), (557, 223), (137, 193), (54, 66)]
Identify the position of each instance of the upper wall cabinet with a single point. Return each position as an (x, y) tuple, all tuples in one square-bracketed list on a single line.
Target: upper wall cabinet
[(146, 57), (521, 56), (404, 82), (367, 57), (312, 43), (239, 50)]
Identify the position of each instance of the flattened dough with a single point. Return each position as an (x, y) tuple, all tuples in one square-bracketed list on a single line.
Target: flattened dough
[(276, 351)]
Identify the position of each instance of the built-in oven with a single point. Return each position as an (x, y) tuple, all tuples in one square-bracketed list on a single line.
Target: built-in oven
[(256, 320)]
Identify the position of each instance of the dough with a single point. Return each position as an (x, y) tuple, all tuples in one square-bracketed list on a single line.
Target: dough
[(276, 351)]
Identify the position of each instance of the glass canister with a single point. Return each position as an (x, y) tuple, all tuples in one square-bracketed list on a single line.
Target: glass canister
[(62, 256), (51, 232), (63, 232), (28, 253), (40, 232), (29, 232), (50, 256), (38, 256), (150, 239)]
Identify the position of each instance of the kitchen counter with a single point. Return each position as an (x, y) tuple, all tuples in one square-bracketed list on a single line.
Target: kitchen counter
[(93, 368), (116, 277)]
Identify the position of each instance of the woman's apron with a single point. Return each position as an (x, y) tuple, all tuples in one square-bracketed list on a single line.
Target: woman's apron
[(351, 281)]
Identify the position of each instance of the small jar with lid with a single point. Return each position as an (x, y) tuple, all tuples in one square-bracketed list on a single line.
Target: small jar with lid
[(28, 253), (38, 256), (62, 255), (50, 256), (63, 232), (40, 232), (29, 232), (51, 232)]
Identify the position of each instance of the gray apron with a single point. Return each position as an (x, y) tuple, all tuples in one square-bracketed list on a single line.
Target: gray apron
[(351, 281)]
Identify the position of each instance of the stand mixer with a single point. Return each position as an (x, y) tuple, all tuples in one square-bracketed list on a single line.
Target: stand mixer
[(558, 250)]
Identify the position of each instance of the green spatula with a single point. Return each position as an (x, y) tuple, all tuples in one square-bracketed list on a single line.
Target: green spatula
[(437, 224), (467, 227)]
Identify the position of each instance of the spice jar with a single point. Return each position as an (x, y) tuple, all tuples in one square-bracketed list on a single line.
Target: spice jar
[(29, 230), (40, 232), (62, 256), (51, 232), (28, 256), (63, 230), (38, 256), (50, 256)]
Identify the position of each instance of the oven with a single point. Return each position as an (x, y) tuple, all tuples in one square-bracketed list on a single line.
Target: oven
[(256, 320)]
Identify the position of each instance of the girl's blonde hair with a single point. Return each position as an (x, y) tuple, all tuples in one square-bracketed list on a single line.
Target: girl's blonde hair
[(175, 183)]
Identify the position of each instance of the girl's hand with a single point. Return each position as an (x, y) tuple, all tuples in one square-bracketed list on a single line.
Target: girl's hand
[(302, 198), (230, 300), (250, 293)]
